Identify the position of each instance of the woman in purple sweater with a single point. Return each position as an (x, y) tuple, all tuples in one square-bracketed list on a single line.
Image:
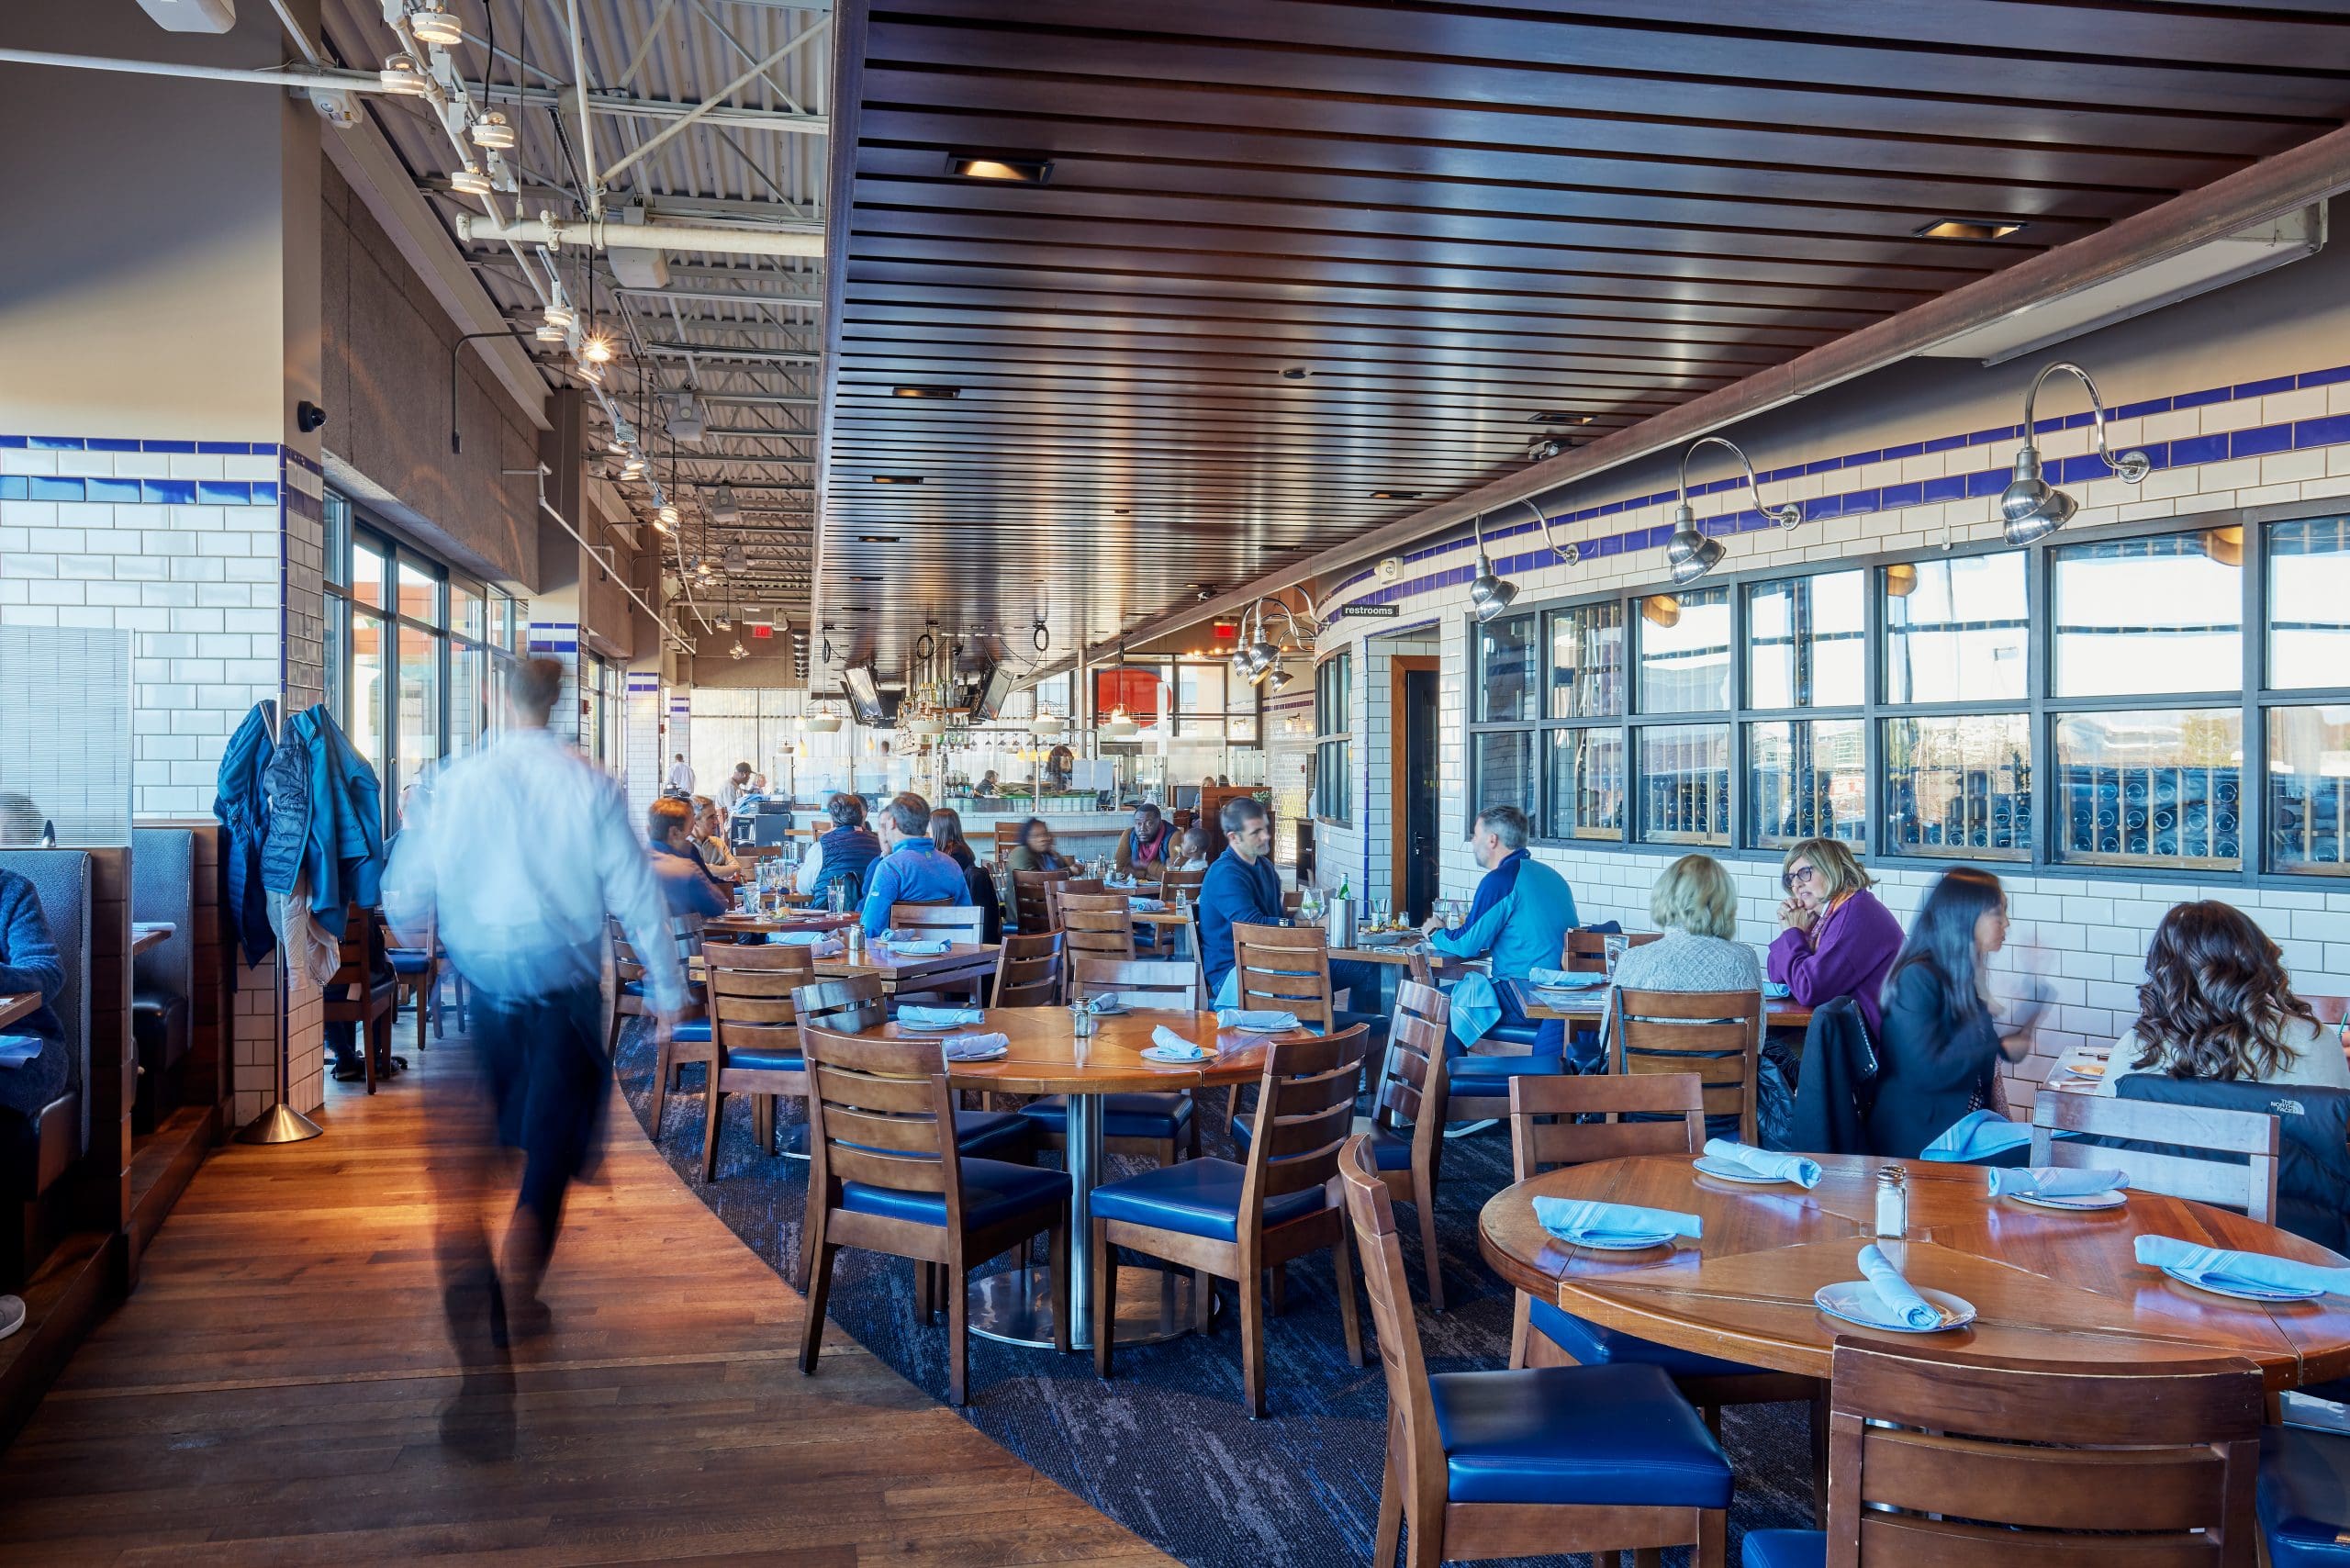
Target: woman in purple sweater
[(1839, 940)]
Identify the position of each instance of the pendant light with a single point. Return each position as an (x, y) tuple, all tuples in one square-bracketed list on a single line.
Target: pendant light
[(2031, 508), (1690, 553), (470, 181), (400, 76), (1489, 593)]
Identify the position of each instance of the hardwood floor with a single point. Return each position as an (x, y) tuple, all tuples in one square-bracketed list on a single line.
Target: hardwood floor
[(272, 1392)]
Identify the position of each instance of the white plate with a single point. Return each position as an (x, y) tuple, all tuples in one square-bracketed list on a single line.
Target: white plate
[(982, 1056), (1622, 1243), (2113, 1200), (2242, 1293), (1161, 1054), (1108, 1009), (1855, 1300), (1729, 1172)]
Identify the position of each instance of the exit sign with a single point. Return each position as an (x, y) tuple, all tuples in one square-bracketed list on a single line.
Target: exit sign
[(758, 631)]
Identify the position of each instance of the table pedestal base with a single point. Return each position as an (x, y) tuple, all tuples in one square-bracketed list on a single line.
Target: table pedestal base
[(1015, 1307)]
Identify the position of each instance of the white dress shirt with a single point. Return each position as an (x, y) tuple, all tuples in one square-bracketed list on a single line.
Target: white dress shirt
[(681, 777), (520, 850)]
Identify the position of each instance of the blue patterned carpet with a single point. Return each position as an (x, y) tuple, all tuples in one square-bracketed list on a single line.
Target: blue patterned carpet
[(1165, 1447)]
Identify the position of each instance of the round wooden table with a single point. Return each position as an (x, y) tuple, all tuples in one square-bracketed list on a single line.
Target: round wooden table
[(2047, 1285), (1046, 1057)]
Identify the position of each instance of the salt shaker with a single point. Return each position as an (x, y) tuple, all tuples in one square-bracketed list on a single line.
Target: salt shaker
[(1080, 1020), (1892, 1202), (854, 937)]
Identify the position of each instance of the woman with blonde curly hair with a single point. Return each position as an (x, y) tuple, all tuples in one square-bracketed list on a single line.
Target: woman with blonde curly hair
[(1839, 941), (2218, 1004)]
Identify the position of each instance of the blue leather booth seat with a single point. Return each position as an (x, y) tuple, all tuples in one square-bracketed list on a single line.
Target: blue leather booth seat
[(1594, 1346), (2304, 1498), (992, 1192), (1146, 1115), (1198, 1198), (1619, 1435), (1469, 1074), (1784, 1548)]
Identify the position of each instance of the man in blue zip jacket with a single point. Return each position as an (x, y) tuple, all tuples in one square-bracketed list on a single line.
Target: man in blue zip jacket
[(912, 870), (1521, 915)]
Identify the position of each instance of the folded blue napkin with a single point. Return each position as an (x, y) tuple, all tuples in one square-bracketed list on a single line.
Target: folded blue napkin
[(1978, 1135), (1901, 1298), (1476, 1008), (799, 938), (1774, 992), (1573, 1219), (1168, 1040), (2258, 1270), (1256, 1020), (1104, 1003), (1766, 1162), (17, 1049), (974, 1047), (2055, 1181), (1140, 905), (1562, 979), (938, 1017), (919, 947)]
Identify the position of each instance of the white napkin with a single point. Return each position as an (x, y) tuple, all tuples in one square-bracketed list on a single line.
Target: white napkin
[(2055, 1181)]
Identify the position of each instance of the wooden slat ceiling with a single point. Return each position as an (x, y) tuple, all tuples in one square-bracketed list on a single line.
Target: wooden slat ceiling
[(1454, 218)]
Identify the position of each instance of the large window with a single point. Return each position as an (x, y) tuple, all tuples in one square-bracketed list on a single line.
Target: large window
[(413, 653), (1333, 724), (2087, 702)]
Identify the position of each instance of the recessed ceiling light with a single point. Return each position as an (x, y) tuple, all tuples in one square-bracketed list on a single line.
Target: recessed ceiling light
[(865, 579), (1965, 229), (925, 391), (877, 538), (858, 609), (1294, 372), (1283, 549), (1015, 171), (897, 478), (1561, 417), (1395, 495), (1122, 511)]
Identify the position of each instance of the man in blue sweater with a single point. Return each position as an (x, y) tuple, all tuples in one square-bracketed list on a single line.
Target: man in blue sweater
[(1242, 887), (913, 871), (1521, 915)]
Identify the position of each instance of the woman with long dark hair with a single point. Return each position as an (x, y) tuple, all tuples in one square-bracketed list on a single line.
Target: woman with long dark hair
[(2217, 1003), (1938, 1052), (1035, 851), (946, 833)]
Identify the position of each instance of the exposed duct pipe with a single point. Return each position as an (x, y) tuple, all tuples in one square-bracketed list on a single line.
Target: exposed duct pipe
[(604, 234)]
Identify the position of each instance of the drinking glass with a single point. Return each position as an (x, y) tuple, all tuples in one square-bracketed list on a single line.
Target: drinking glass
[(1380, 910), (1612, 949)]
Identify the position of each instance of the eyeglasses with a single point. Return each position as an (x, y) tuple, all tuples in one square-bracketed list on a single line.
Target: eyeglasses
[(1803, 873)]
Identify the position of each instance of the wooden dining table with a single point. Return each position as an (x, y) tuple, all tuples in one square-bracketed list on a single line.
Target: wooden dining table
[(1044, 1055), (1590, 1004), (765, 924), (149, 934), (16, 1007), (963, 964), (2047, 1285)]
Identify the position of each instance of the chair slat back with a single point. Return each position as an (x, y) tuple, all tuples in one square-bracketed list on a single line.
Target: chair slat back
[(1976, 1461), (2250, 1186), (351, 965), (877, 1112), (1283, 967), (1096, 926), (1371, 1211), (852, 1005), (751, 986), (1717, 1035), (1305, 1108), (1150, 985), (1028, 969), (956, 922), (1587, 951), (1176, 882), (1547, 1125), (1411, 1085), (1031, 899), (1055, 891), (1007, 839)]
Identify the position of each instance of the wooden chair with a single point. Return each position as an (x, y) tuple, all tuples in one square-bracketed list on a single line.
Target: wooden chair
[(628, 982), (1407, 1112), (1716, 1034), (955, 922), (691, 1041), (1143, 1123), (1184, 882), (2249, 1185), (851, 1005), (1031, 894), (416, 974), (1285, 969), (1054, 890), (1587, 951), (1575, 1121), (1096, 926), (1234, 1221), (755, 1035), (1007, 839), (1575, 1426), (887, 1176), (1028, 971), (1967, 1460), (367, 1003), (1153, 985)]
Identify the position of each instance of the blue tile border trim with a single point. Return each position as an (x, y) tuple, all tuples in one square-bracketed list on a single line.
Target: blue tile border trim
[(2187, 451), (125, 444)]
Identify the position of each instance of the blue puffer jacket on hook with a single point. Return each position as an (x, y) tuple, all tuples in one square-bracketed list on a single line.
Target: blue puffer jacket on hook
[(241, 805)]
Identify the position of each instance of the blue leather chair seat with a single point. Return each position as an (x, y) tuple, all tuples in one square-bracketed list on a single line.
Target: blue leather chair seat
[(692, 1032), (407, 960), (993, 1134), (1784, 1548), (1619, 1435), (632, 987), (1197, 1197), (993, 1191), (1474, 1070), (1592, 1345), (767, 1061), (1126, 1116), (1390, 1147), (1526, 1031), (2304, 1498)]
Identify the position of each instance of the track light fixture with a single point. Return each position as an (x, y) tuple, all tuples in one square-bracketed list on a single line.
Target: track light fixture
[(595, 348), (1690, 553), (494, 132), (470, 181), (402, 75), (723, 507), (430, 24), (1489, 593), (665, 519), (2031, 508)]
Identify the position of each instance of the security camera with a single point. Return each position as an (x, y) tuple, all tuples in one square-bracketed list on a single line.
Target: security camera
[(308, 416), (1547, 447)]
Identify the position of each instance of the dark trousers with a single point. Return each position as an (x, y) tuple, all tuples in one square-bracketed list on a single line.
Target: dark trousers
[(549, 1080)]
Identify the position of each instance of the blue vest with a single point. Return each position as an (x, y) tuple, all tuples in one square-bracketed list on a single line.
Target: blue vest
[(849, 852)]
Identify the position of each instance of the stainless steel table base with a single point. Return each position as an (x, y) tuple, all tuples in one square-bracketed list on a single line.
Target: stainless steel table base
[(1015, 1307)]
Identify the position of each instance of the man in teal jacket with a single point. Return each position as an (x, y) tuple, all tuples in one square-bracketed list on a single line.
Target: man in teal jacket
[(1521, 916)]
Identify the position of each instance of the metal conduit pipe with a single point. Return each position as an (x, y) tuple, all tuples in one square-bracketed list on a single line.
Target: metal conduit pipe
[(603, 235)]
